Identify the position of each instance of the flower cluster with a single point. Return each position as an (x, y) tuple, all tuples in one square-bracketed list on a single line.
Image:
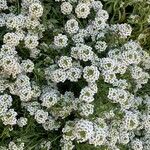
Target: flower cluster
[(14, 146), (14, 68), (61, 83), (84, 130)]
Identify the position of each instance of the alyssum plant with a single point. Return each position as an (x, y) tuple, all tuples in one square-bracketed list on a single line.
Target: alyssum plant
[(87, 50)]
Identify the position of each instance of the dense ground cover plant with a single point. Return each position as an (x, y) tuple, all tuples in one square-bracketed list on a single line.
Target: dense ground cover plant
[(74, 74)]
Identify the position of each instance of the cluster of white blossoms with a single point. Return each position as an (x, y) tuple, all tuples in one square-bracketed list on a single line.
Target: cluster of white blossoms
[(68, 70), (46, 145), (3, 5), (84, 130), (66, 8), (14, 146), (7, 115), (122, 30), (72, 26), (60, 41), (129, 58), (82, 10), (20, 32), (82, 52), (71, 81), (13, 67)]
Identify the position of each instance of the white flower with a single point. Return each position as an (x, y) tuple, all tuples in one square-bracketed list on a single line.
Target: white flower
[(109, 77), (124, 137), (99, 23), (16, 22), (9, 118), (75, 52), (131, 57), (36, 90), (82, 10), (97, 5), (58, 75), (86, 109), (93, 87), (3, 5), (78, 38), (132, 45), (34, 53), (31, 22), (66, 8), (11, 39), (137, 144), (91, 73), (27, 3), (32, 107), (71, 26), (119, 95), (46, 145), (121, 83), (100, 46), (41, 116), (74, 74), (36, 10), (107, 64), (49, 99), (6, 100), (27, 65), (51, 124), (98, 137), (83, 130), (131, 121), (60, 41), (67, 145), (5, 103), (85, 52), (8, 50), (31, 41), (14, 146), (136, 72), (22, 81), (65, 62), (20, 34), (123, 30), (68, 131), (22, 121), (86, 95), (25, 94), (113, 94), (2, 21), (103, 14), (10, 65)]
